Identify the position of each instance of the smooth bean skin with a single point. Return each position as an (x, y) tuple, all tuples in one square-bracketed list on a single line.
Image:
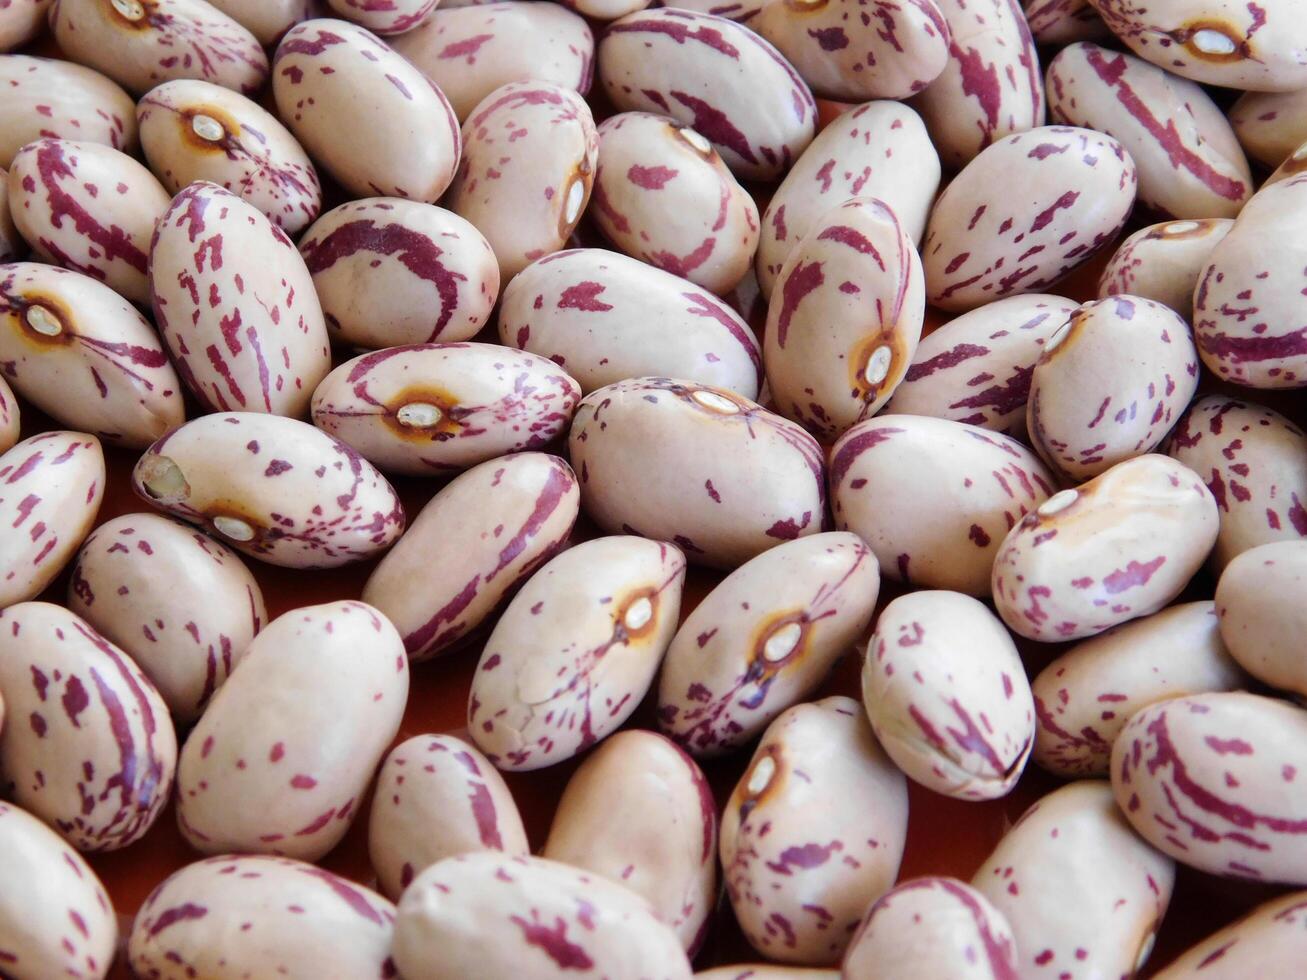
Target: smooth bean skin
[(439, 408), (55, 916), (1270, 125), (1084, 697), (1084, 896), (976, 368), (934, 498), (766, 971), (193, 130), (493, 526), (267, 770), (97, 766), (438, 797), (267, 20), (764, 639), (606, 9), (1078, 188), (89, 208), (137, 42), (740, 10), (1267, 942), (932, 929), (293, 919), (81, 353), (499, 917), (813, 832), (575, 651), (717, 76), (124, 583), (59, 99), (272, 488), (12, 245), (1064, 21), (235, 305), (1163, 261), (640, 813), (718, 475), (390, 272), (1211, 780), (413, 144), (51, 486), (9, 417), (21, 21), (389, 17), (1259, 602), (1116, 548)]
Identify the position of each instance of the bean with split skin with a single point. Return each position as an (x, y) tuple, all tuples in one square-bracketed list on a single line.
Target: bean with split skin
[(1264, 943), (1259, 601), (59, 99), (267, 20), (1162, 262), (389, 17)]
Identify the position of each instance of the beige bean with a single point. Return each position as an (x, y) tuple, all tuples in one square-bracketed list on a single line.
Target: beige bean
[(1259, 601), (1064, 21), (1267, 943), (739, 10), (21, 21), (389, 17), (9, 417), (766, 971), (1270, 125), (267, 20), (59, 99), (1162, 262), (12, 245), (607, 9)]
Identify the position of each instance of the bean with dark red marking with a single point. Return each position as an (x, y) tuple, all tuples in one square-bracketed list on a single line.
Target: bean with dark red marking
[(267, 20), (740, 10), (1162, 262), (59, 99), (1064, 21), (385, 16), (1263, 619), (1264, 943), (21, 21), (1270, 125)]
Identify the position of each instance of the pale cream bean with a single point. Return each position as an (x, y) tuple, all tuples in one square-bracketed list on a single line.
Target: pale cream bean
[(497, 917), (438, 797), (1064, 21), (268, 770), (888, 485), (813, 833), (267, 20), (1162, 262), (140, 43), (766, 971), (1294, 164), (51, 486), (334, 82), (715, 473), (387, 17), (125, 584), (95, 753), (1263, 619), (12, 245), (575, 651), (21, 21), (55, 916), (233, 917), (640, 812), (764, 639), (272, 488), (1267, 942), (1119, 547), (59, 99), (740, 10), (1270, 125), (606, 9), (1084, 896), (1085, 697), (9, 417)]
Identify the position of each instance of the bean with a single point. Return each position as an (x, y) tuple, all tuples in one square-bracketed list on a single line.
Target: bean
[(575, 651), (718, 475), (124, 583), (740, 10), (1119, 547), (61, 100), (1293, 165), (606, 318), (21, 21), (9, 417), (1162, 262), (267, 20), (1259, 601), (273, 488), (607, 9), (1270, 125), (1064, 21), (1261, 944), (766, 971), (12, 245), (97, 766), (813, 833), (764, 639), (390, 17)]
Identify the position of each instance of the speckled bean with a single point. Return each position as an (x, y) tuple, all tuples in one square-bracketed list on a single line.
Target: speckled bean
[(813, 833), (1263, 620), (124, 583), (1162, 262), (273, 488), (740, 10), (97, 766), (575, 651), (1267, 942), (385, 16), (21, 21), (1064, 21), (267, 20), (715, 473), (12, 245), (59, 99), (9, 417), (1270, 125)]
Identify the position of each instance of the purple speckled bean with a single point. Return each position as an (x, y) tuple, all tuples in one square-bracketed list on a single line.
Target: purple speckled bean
[(640, 812), (59, 99), (1085, 697), (606, 317), (273, 488), (1267, 942), (385, 16), (293, 921), (90, 748), (124, 583), (1116, 548), (888, 486), (268, 770), (334, 81), (12, 245), (496, 917), (1270, 125), (1079, 189), (813, 833), (50, 491), (81, 353), (140, 43), (933, 927), (575, 651), (55, 916), (21, 21), (764, 639), (9, 417), (1084, 896), (267, 20), (235, 305), (438, 797), (716, 76), (1060, 22), (716, 474), (1263, 619), (1162, 262)]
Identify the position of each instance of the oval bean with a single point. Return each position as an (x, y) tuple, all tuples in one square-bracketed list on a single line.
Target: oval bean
[(21, 21), (387, 17), (765, 971), (59, 99), (1259, 601), (1162, 262), (267, 20), (1264, 943), (1064, 21), (1270, 125)]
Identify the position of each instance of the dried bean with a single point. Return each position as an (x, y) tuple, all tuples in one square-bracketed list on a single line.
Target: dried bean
[(1259, 601), (1266, 942), (1162, 262), (61, 100), (1270, 125), (387, 17)]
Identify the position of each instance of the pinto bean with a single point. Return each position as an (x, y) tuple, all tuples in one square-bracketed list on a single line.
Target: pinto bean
[(389, 17), (61, 100), (1162, 262), (1270, 125), (267, 20), (1261, 944), (1064, 21), (1259, 601)]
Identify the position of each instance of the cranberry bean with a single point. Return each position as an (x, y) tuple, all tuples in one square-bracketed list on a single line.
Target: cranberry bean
[(97, 765), (1064, 21), (606, 9), (1162, 262), (273, 488), (21, 21), (386, 17), (124, 583), (9, 417), (12, 245), (575, 651), (766, 971), (61, 100), (739, 10), (1264, 943), (267, 20), (1270, 125), (1259, 601), (715, 473)]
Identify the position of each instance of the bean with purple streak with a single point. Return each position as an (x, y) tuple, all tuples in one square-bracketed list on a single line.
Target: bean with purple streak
[(575, 651), (59, 99), (10, 427), (12, 245), (1162, 262), (743, 11), (21, 21), (124, 583), (1267, 942), (385, 17), (1064, 22), (1263, 620), (1270, 125), (267, 20)]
